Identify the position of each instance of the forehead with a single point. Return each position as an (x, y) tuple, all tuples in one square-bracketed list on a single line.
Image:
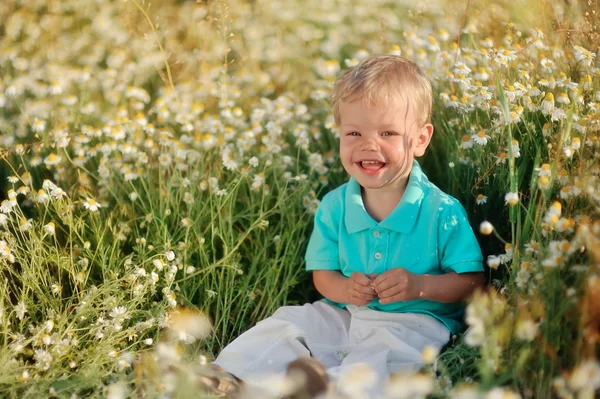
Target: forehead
[(362, 112)]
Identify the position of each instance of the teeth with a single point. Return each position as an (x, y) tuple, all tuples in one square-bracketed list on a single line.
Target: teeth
[(371, 162)]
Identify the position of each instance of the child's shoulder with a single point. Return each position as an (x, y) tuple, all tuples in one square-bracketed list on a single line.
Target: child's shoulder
[(438, 201), (335, 196)]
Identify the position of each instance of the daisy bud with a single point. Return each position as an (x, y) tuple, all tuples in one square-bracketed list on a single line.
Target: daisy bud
[(486, 228)]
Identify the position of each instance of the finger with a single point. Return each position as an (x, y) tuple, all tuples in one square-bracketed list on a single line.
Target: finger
[(365, 290), (364, 297), (363, 303), (392, 299), (385, 285), (361, 279), (393, 273), (383, 276), (391, 291)]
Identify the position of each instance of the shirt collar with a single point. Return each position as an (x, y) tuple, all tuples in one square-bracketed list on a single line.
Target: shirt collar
[(401, 219)]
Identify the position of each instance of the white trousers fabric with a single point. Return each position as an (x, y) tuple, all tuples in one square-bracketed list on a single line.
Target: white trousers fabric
[(339, 338)]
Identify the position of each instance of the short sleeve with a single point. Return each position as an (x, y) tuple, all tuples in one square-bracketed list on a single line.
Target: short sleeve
[(459, 250), (322, 252)]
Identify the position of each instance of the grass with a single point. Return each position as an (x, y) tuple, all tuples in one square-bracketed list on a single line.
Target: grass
[(162, 163)]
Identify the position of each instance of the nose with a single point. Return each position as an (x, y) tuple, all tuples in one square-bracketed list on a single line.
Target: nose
[(370, 144)]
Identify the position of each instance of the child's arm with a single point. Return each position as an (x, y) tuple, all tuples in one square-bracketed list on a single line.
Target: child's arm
[(401, 285), (335, 287)]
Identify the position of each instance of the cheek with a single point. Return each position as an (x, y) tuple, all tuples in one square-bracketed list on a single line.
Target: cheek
[(345, 151), (346, 157)]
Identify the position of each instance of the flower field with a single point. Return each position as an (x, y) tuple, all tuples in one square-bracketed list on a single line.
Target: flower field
[(161, 164)]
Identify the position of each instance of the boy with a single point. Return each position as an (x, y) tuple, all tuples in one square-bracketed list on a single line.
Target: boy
[(391, 253)]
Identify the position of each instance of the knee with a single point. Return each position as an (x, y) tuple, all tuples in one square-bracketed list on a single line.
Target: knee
[(289, 322), (291, 314)]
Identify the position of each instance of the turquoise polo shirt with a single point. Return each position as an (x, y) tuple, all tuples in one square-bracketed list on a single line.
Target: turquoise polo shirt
[(428, 232)]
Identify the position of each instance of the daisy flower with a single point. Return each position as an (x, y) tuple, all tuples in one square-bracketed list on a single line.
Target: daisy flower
[(543, 182), (566, 192), (526, 330), (586, 82), (481, 137), (350, 62), (253, 162), (55, 88), (164, 160), (5, 251), (511, 198), (26, 178), (547, 129), (544, 170), (25, 224), (548, 103), (119, 313), (50, 228), (170, 255), (583, 55), (553, 261), (20, 310), (493, 261), (258, 182), (481, 75), (92, 205), (466, 142), (481, 199), (563, 98), (516, 150), (52, 159), (56, 289), (568, 151), (159, 264), (58, 193), (558, 115), (532, 247)]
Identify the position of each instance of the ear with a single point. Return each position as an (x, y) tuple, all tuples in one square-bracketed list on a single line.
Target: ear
[(422, 139)]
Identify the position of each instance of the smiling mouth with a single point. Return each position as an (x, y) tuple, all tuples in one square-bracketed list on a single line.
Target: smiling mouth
[(371, 165)]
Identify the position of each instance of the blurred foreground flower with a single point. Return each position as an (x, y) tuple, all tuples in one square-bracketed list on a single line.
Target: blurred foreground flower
[(358, 381), (409, 386), (187, 325)]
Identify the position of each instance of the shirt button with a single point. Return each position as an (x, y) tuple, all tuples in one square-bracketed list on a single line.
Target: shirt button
[(378, 255), (376, 234)]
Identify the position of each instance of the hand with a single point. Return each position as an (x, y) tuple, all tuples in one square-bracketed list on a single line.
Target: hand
[(359, 289), (398, 285)]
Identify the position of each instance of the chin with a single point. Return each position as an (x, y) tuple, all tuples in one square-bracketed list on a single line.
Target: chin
[(369, 184)]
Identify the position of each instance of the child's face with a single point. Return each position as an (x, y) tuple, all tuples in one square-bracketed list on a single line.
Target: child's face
[(378, 143)]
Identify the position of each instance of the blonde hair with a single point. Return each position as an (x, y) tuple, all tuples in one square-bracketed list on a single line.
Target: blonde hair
[(382, 79)]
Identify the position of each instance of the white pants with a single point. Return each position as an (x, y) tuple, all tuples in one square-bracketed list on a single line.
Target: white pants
[(339, 338)]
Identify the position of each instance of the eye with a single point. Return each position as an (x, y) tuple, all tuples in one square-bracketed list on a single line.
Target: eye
[(355, 134), (388, 133)]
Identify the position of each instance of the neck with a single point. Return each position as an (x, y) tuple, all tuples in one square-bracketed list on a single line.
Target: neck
[(380, 203)]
